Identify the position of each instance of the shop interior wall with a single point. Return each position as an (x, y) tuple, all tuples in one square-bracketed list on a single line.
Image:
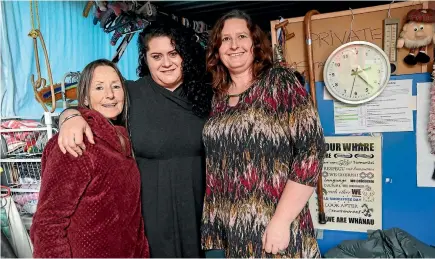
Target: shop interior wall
[(73, 41), (405, 205)]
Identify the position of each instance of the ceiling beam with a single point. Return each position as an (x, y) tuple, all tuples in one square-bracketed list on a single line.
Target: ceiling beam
[(170, 4), (228, 7), (203, 5)]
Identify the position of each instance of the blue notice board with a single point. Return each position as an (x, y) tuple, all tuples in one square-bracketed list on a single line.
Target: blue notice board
[(404, 205)]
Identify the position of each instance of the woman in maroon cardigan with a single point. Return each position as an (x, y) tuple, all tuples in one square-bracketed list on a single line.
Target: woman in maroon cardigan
[(90, 206)]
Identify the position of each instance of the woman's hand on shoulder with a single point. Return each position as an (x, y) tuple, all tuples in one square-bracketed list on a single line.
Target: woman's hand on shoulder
[(71, 132)]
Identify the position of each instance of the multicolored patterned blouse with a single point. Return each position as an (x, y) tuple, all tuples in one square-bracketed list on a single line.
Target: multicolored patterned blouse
[(272, 135)]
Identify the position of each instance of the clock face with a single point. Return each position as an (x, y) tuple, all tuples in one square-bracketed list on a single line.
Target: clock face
[(356, 72)]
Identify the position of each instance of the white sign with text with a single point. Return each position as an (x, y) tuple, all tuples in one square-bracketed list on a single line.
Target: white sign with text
[(352, 185)]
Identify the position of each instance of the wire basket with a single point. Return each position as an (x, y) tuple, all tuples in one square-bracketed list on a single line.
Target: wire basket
[(26, 202), (22, 144), (17, 172), (21, 139)]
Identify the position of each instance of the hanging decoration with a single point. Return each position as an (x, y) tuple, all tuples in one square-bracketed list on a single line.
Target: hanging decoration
[(47, 95), (417, 34), (431, 121), (39, 86), (125, 18)]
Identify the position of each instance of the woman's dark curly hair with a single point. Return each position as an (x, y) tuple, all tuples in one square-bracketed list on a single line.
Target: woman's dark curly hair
[(261, 47), (196, 85)]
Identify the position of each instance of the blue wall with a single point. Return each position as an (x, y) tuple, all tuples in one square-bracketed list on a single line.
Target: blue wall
[(405, 205)]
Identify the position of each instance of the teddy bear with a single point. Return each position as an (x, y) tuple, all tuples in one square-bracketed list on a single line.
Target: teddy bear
[(417, 33)]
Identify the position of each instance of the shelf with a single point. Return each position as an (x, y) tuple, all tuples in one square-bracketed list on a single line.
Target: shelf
[(17, 190), (20, 160), (23, 130)]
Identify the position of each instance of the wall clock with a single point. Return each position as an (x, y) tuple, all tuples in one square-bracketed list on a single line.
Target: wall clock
[(356, 72)]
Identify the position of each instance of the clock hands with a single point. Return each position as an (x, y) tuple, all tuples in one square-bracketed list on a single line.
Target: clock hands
[(365, 81), (357, 73), (356, 59), (353, 71)]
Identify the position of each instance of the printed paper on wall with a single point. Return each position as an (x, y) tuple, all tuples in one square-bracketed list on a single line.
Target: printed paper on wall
[(352, 185)]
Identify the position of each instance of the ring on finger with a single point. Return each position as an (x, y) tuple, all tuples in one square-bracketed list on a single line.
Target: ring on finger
[(281, 252)]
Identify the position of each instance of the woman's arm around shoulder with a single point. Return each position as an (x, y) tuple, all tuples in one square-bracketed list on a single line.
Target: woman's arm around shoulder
[(71, 130)]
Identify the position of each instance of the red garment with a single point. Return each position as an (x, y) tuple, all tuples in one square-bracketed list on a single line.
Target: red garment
[(90, 206)]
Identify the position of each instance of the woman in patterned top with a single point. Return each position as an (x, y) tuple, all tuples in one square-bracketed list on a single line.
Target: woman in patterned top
[(264, 149)]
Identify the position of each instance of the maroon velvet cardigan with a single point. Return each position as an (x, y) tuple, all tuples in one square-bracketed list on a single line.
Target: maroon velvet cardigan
[(90, 206)]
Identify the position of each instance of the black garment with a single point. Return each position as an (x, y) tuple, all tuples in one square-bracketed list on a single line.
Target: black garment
[(388, 243), (167, 141)]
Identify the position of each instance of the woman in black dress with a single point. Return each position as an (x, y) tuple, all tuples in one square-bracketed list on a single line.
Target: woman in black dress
[(168, 108)]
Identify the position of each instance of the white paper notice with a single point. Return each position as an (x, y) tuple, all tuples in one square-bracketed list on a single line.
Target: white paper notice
[(389, 112), (425, 160), (352, 185), (326, 94)]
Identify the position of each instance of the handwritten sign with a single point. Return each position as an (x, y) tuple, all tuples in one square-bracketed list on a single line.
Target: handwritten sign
[(329, 33), (337, 38), (352, 185)]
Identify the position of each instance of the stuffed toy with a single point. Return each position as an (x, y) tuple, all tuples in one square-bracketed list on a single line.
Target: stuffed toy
[(417, 33)]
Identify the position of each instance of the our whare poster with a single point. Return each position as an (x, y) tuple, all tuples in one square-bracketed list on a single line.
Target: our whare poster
[(352, 184)]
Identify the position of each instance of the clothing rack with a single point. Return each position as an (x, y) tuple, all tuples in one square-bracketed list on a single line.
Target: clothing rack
[(125, 18)]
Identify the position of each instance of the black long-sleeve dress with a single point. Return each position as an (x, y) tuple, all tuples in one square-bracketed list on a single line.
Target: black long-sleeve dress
[(167, 142)]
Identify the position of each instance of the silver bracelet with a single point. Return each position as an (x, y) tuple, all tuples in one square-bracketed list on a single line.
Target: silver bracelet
[(69, 117)]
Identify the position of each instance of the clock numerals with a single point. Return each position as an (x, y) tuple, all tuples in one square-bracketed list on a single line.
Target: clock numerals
[(337, 64), (367, 90)]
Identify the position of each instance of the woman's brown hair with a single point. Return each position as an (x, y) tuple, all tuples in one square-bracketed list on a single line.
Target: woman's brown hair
[(84, 84), (262, 50)]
